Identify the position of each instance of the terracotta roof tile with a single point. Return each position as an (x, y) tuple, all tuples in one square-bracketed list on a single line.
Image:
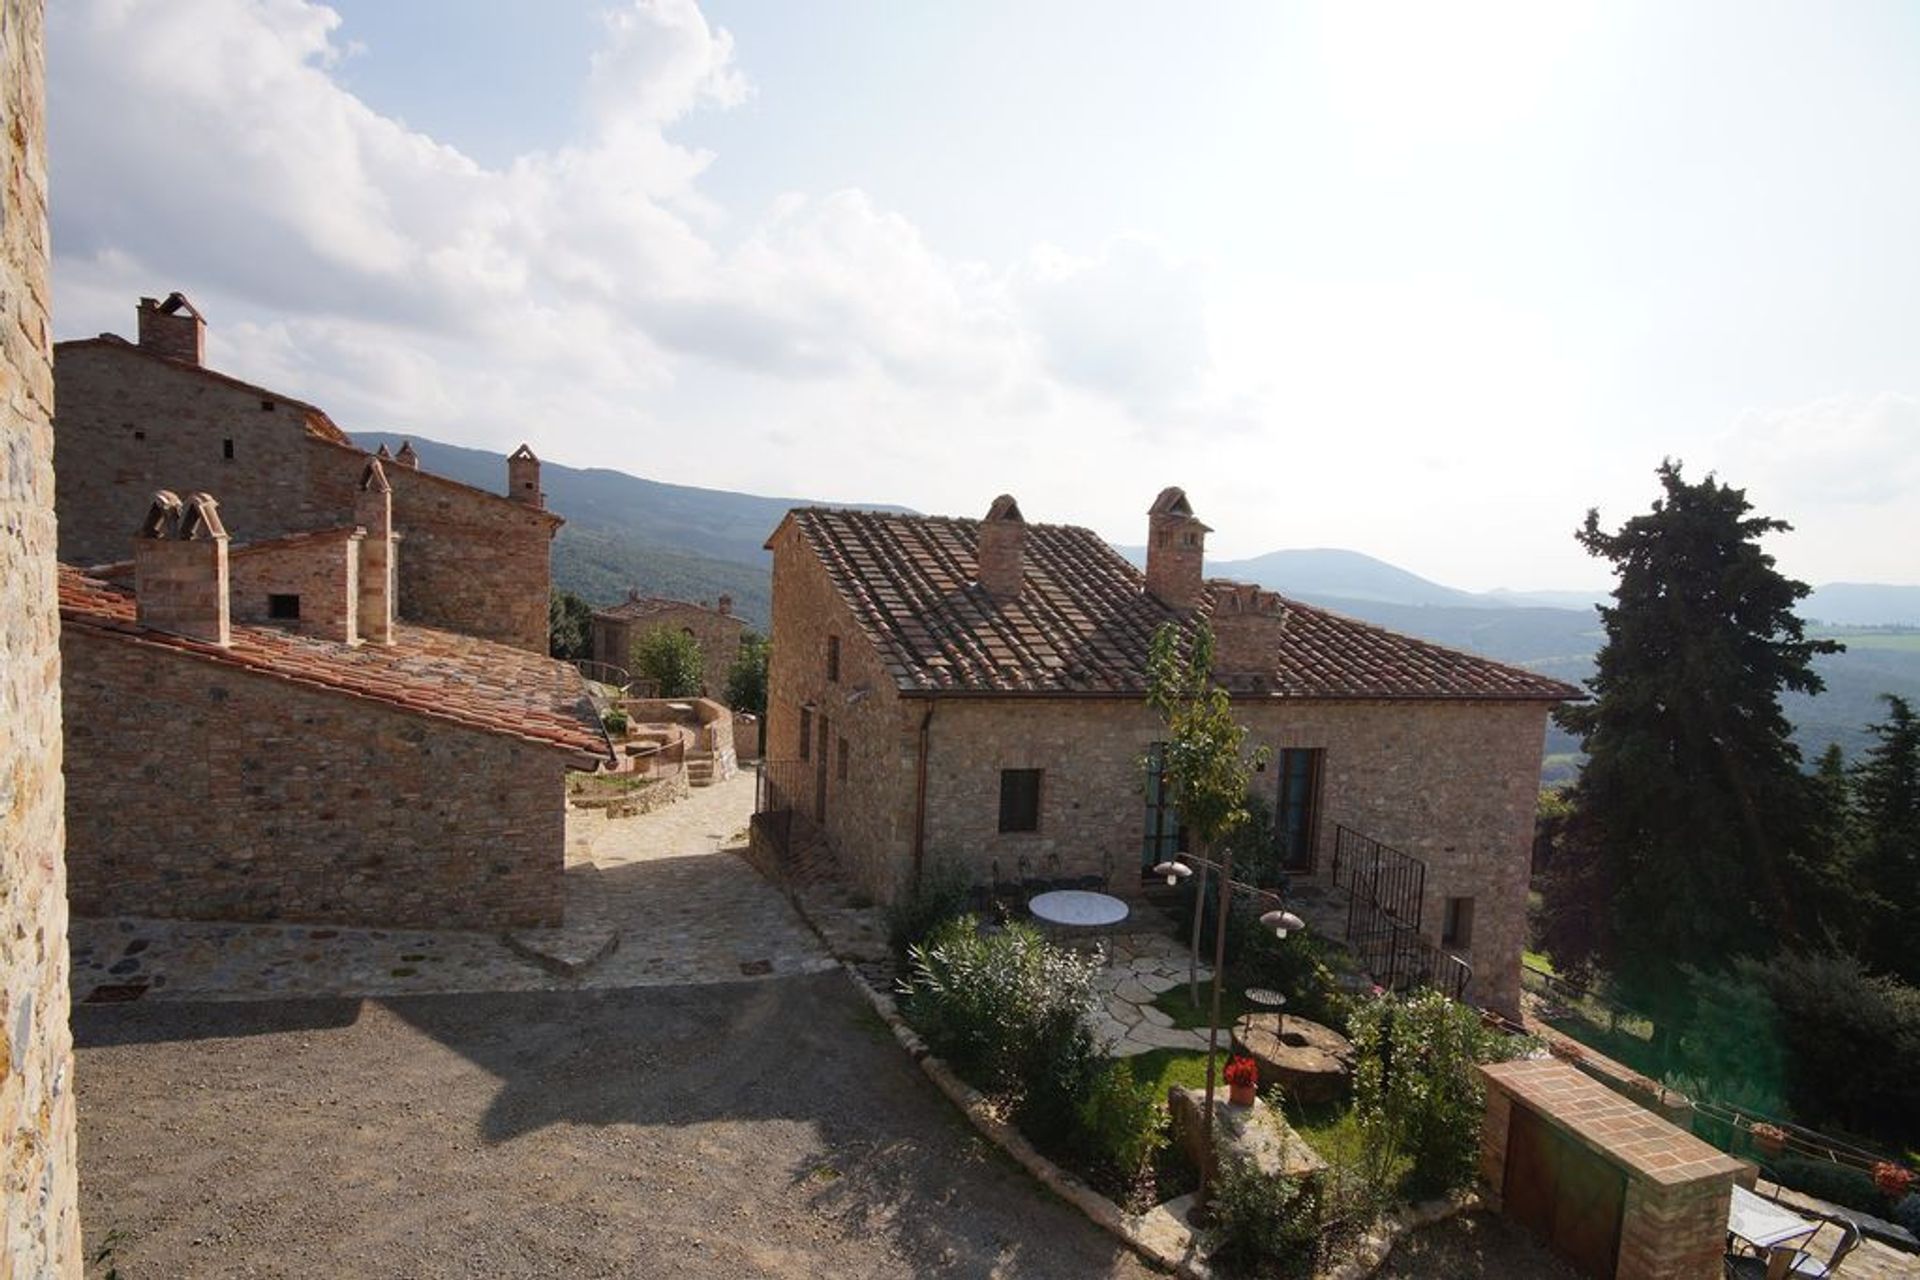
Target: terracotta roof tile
[(645, 606), (1083, 622), (442, 675)]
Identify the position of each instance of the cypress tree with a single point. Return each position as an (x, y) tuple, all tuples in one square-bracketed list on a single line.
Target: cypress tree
[(1692, 811)]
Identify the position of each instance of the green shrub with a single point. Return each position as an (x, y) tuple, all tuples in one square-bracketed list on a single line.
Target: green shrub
[(1001, 1007), (1840, 1184), (1854, 1039), (614, 720), (939, 897), (1415, 1087), (1122, 1125), (1262, 1225)]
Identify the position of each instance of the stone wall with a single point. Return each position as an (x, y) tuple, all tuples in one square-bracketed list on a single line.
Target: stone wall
[(869, 812), (717, 634), (322, 571), (199, 790), (131, 424), (39, 1217), (1452, 783)]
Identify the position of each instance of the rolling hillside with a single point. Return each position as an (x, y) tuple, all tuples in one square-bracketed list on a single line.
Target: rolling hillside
[(676, 540)]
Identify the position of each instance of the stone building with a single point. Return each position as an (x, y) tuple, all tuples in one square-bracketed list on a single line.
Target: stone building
[(973, 691), (146, 415), (715, 629), (39, 1190), (252, 735)]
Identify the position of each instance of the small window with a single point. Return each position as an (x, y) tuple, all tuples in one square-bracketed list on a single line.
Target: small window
[(840, 767), (806, 733), (283, 608), (1019, 799), (139, 434), (1457, 931), (266, 406), (226, 449), (833, 659)]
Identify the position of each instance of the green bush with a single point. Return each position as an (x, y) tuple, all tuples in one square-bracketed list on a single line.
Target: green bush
[(1853, 1042), (1262, 1225), (1007, 1011), (614, 720), (939, 897), (1415, 1087), (1122, 1125), (1304, 967), (1840, 1184)]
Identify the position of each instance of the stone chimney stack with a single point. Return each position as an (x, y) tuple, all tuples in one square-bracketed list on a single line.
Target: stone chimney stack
[(523, 478), (1248, 624), (180, 569), (173, 329), (1002, 549), (407, 457), (1176, 550), (373, 511), (726, 606)]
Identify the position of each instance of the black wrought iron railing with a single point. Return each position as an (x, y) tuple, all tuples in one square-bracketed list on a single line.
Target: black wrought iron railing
[(783, 804), (1385, 890)]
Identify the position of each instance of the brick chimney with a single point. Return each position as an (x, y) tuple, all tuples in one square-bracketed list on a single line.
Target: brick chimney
[(173, 329), (1176, 550), (180, 568), (523, 478), (373, 511), (1001, 550), (1248, 622), (407, 457)]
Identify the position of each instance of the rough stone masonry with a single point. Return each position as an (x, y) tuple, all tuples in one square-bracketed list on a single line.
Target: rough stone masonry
[(38, 1189)]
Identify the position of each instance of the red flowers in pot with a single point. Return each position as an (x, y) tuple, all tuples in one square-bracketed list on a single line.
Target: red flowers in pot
[(1243, 1077)]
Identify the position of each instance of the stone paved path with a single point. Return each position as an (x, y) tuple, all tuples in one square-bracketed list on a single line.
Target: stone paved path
[(1144, 966), (686, 907)]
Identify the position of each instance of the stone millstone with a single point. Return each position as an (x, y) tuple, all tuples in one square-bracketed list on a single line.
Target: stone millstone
[(1255, 1133), (1310, 1062)]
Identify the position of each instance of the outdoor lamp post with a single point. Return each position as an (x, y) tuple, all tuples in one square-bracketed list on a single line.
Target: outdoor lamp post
[(1282, 922)]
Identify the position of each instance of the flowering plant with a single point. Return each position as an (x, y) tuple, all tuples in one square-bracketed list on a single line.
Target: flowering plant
[(1768, 1135), (1894, 1181), (1242, 1073)]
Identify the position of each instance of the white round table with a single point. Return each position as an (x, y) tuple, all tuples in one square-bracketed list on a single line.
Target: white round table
[(1080, 908)]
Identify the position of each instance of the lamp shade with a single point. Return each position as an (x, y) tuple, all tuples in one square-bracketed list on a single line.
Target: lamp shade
[(1282, 922)]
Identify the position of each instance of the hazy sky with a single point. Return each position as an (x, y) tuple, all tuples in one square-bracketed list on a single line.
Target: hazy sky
[(1425, 281)]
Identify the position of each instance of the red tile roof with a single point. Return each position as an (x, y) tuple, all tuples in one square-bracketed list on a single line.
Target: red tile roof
[(644, 606), (1083, 622), (441, 675)]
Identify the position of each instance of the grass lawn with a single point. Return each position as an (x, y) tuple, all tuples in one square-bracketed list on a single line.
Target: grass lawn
[(1174, 1003), (1164, 1068)]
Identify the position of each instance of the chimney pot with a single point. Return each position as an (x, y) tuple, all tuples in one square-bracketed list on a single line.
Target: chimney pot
[(1176, 550), (1001, 550), (180, 568), (172, 329), (523, 478)]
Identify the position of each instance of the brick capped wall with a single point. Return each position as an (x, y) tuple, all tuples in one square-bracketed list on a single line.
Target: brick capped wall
[(201, 791), (39, 1219), (130, 424), (322, 572)]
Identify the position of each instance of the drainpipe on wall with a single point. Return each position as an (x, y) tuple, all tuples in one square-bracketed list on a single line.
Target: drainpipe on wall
[(920, 796)]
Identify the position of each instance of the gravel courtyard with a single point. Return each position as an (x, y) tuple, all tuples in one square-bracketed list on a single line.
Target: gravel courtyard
[(768, 1128)]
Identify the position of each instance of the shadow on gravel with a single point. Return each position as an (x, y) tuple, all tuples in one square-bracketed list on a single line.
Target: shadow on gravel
[(111, 1025)]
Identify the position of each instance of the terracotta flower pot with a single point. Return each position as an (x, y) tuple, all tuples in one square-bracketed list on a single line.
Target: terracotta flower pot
[(1240, 1095)]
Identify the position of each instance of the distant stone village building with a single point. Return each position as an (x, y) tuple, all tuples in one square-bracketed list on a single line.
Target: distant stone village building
[(252, 735), (715, 629), (973, 691), (39, 1187), (136, 417)]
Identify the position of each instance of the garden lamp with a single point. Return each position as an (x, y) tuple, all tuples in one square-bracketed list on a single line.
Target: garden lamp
[(1175, 872), (1282, 922)]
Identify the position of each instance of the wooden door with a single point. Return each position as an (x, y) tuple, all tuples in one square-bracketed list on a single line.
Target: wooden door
[(1565, 1194)]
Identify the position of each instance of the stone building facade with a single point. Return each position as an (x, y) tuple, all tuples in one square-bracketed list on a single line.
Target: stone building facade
[(39, 1213), (342, 767), (973, 692), (715, 629), (140, 416)]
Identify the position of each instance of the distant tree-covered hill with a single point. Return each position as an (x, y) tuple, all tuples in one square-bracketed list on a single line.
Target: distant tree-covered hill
[(624, 532), (627, 533)]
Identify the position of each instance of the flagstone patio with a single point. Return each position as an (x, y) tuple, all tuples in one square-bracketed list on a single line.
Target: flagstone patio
[(1142, 966)]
